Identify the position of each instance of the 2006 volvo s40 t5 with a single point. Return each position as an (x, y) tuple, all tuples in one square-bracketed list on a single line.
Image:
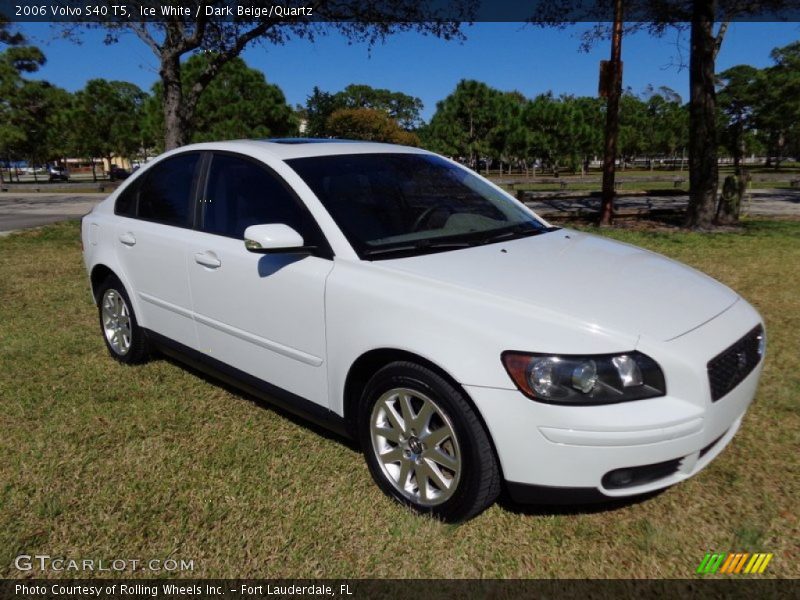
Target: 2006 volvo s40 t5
[(403, 300)]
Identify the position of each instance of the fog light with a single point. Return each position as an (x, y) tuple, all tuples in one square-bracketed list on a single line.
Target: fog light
[(620, 478), (584, 376)]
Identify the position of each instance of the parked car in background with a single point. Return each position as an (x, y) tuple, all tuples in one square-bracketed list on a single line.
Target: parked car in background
[(117, 173), (57, 173), (404, 301)]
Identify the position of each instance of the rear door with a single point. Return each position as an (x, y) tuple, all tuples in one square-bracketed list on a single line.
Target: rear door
[(151, 240), (263, 314)]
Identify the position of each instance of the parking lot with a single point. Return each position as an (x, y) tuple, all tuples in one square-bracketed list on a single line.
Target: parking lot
[(769, 203), (28, 210)]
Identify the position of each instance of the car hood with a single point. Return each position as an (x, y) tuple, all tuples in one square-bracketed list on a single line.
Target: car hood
[(599, 282)]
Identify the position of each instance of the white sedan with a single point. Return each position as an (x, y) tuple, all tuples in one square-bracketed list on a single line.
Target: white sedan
[(404, 301)]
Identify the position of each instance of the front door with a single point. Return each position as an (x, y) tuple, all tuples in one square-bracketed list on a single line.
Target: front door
[(263, 314)]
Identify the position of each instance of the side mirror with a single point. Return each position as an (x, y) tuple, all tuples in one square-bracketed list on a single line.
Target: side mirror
[(273, 237)]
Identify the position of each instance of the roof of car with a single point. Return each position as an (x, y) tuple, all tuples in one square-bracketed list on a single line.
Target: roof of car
[(289, 148), (300, 140)]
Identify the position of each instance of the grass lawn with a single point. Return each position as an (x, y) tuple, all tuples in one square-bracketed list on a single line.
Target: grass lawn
[(104, 461)]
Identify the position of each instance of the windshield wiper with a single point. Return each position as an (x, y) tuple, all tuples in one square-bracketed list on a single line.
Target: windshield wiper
[(433, 245), (520, 230), (423, 245)]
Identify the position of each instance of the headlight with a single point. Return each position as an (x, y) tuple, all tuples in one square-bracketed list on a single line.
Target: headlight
[(570, 379)]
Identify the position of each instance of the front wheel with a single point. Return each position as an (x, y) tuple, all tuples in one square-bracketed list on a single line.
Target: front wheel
[(424, 444)]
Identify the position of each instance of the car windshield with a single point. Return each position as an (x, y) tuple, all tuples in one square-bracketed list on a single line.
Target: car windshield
[(405, 204)]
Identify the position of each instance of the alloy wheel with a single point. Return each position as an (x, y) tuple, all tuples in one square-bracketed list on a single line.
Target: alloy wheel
[(416, 446), (116, 322)]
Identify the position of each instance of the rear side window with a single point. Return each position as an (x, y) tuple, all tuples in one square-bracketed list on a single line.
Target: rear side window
[(165, 196), (126, 201), (240, 193)]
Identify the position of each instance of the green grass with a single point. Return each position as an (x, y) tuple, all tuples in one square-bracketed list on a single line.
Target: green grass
[(104, 461)]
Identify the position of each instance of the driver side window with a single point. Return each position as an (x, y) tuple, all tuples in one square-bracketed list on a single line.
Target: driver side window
[(240, 193)]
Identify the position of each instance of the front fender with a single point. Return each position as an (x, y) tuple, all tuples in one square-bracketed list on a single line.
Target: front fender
[(461, 331)]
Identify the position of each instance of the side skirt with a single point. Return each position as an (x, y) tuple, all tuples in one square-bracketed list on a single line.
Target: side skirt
[(264, 390)]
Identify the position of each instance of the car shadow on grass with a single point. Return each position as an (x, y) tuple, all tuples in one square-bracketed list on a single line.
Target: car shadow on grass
[(504, 501), (298, 420), (549, 509)]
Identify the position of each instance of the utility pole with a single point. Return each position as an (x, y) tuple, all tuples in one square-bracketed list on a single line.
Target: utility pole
[(611, 79)]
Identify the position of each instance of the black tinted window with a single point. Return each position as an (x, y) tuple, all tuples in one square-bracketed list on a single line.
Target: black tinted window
[(385, 200), (165, 194), (240, 193), (126, 201)]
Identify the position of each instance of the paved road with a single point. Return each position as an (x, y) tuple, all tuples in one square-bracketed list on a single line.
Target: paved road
[(24, 211), (760, 203)]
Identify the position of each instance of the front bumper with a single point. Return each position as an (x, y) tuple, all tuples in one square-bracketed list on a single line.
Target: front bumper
[(560, 454)]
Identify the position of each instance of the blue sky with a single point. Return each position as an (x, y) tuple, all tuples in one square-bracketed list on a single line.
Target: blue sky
[(508, 56)]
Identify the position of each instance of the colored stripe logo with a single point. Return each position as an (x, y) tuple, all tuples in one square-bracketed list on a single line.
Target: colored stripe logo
[(734, 563)]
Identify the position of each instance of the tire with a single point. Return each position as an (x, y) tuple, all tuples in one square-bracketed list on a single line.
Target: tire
[(414, 426), (124, 339)]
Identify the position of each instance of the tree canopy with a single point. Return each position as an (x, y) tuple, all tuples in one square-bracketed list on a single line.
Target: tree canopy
[(465, 121), (238, 103), (760, 108), (707, 21), (756, 111), (476, 121), (368, 124), (108, 119), (175, 37), (31, 123), (403, 109)]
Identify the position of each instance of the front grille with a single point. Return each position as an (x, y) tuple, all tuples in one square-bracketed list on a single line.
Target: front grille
[(730, 367)]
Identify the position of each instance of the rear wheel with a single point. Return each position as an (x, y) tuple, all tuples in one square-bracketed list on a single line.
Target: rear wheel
[(125, 340), (424, 444)]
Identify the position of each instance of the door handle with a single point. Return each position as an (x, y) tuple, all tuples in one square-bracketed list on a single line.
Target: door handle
[(207, 259), (127, 238)]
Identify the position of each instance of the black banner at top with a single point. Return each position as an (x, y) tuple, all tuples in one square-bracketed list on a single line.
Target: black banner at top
[(387, 11)]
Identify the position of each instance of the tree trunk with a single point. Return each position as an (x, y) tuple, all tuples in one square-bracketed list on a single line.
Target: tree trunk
[(94, 172), (779, 151), (730, 203), (612, 120), (174, 117), (702, 118)]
